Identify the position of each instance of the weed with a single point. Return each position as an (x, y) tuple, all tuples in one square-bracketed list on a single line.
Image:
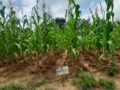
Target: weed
[(102, 81), (48, 88), (85, 81), (79, 73), (33, 83), (64, 78), (111, 68), (109, 84), (88, 81), (11, 86), (74, 82)]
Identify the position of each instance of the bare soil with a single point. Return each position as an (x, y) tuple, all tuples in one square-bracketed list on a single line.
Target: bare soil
[(47, 64)]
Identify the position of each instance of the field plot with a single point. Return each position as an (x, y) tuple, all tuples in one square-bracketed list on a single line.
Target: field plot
[(32, 51)]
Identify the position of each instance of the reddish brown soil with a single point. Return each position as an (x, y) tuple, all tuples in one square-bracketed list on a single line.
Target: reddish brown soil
[(46, 65)]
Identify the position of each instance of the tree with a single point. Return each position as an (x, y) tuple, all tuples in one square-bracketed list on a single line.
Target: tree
[(60, 22)]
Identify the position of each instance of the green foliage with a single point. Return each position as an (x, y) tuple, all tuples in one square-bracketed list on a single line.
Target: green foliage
[(109, 84), (100, 59), (111, 68), (11, 86), (64, 78), (85, 81), (88, 81), (77, 34), (102, 81), (48, 88), (33, 83), (79, 73), (60, 22)]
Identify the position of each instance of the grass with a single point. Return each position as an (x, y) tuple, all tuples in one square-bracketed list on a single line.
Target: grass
[(108, 84), (112, 68), (85, 81), (82, 81), (64, 78), (12, 86), (33, 82), (48, 88), (25, 85)]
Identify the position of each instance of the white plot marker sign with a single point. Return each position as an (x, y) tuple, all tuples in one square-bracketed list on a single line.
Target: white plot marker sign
[(62, 70)]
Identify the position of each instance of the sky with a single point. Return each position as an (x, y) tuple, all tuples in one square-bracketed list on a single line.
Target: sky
[(58, 7)]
